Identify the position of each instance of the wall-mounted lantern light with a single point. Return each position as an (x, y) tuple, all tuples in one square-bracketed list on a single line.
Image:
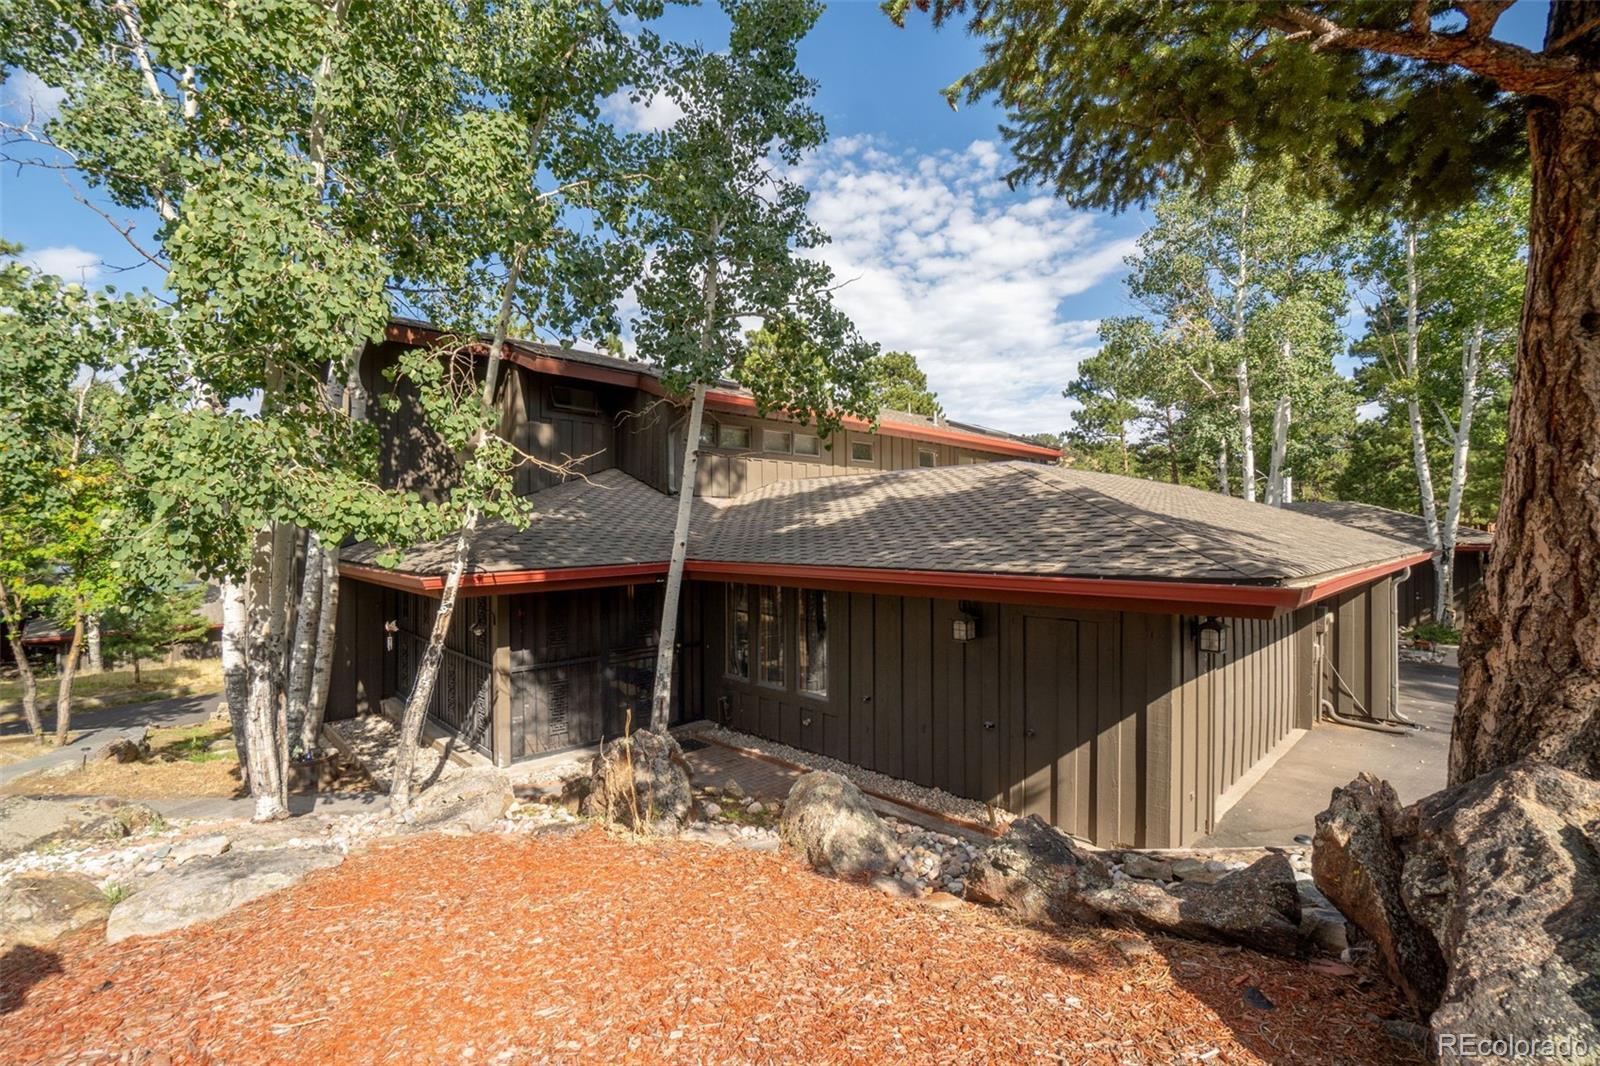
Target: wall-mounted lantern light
[(478, 630), (390, 628), (965, 625), (1211, 636)]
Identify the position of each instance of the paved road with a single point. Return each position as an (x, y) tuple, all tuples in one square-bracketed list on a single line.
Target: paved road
[(1284, 803), (102, 727)]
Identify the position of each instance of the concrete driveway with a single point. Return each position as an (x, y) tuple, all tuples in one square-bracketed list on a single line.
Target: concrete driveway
[(1284, 803)]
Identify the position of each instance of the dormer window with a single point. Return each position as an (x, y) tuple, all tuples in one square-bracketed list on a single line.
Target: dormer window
[(567, 398)]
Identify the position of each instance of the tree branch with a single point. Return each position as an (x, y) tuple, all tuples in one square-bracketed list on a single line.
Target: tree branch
[(1509, 66)]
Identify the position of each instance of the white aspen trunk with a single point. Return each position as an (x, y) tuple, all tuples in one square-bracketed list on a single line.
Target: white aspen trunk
[(1222, 470), (1444, 608), (69, 671), (1419, 440), (1247, 433), (405, 755), (1281, 416), (11, 613), (235, 673), (322, 664), (263, 656), (97, 661), (666, 651), (304, 651)]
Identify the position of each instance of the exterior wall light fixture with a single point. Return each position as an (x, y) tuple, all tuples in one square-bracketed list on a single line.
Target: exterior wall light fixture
[(965, 625), (1211, 636)]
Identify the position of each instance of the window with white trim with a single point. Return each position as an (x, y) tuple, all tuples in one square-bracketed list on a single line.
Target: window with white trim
[(927, 457), (861, 451), (807, 444)]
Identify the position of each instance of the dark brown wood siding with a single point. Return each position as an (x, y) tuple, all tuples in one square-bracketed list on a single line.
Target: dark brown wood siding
[(1416, 593), (582, 665), (1036, 715)]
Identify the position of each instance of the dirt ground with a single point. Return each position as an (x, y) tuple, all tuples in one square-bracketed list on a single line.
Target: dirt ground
[(179, 764), (507, 949)]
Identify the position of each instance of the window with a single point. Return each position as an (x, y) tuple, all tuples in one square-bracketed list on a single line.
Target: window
[(969, 460), (814, 642), (733, 436), (769, 642), (775, 440), (807, 444), (708, 434), (567, 398), (861, 451), (739, 631), (927, 457)]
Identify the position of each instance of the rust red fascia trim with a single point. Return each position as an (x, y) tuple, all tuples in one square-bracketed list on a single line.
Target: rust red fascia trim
[(503, 581), (733, 402), (1332, 586)]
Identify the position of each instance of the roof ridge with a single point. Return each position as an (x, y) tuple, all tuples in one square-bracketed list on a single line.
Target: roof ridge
[(1160, 532)]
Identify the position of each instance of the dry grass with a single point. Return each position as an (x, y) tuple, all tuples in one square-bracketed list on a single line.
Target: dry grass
[(178, 765), (590, 948), (115, 688), (15, 749)]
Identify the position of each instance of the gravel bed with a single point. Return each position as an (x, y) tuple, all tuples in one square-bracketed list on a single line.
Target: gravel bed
[(894, 788), (372, 739)]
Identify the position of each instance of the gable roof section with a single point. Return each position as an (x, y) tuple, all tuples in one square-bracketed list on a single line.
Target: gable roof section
[(1411, 528), (726, 396), (1018, 529)]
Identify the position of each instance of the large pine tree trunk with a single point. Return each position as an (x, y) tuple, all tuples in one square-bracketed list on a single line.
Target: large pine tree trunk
[(666, 648), (1530, 679), (69, 671)]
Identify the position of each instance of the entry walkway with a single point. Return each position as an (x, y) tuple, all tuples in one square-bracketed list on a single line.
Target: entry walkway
[(1287, 799)]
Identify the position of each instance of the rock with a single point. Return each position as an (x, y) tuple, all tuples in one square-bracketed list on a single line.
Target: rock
[(1504, 872), (25, 823), (893, 887), (1183, 869), (465, 802), (1325, 928), (754, 807), (1408, 1032), (1205, 872), (943, 901), (124, 750), (203, 889), (712, 810), (208, 846), (1357, 863), (733, 789), (1143, 866), (827, 819), (1257, 907), (39, 906), (641, 781), (1037, 872)]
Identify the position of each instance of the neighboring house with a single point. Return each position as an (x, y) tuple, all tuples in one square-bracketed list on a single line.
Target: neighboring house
[(1417, 592), (930, 600)]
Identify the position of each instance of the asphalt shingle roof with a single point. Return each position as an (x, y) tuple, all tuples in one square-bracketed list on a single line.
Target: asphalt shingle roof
[(1010, 518), (1410, 528)]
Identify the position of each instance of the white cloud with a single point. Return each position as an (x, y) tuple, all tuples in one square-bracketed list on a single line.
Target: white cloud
[(29, 99), (64, 261), (649, 115), (943, 261)]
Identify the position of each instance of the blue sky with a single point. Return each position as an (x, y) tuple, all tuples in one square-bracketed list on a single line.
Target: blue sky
[(997, 292)]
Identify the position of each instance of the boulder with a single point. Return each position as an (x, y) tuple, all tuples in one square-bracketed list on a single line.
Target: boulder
[(828, 820), (207, 888), (1504, 872), (1146, 867), (1356, 860), (38, 907), (124, 750), (641, 781), (468, 802), (1257, 907), (25, 823), (1039, 873)]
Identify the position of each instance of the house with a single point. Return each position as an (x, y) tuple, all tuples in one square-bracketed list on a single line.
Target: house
[(1418, 589), (931, 600)]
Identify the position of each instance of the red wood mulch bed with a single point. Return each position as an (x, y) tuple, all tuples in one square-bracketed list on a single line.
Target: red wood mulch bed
[(589, 949)]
